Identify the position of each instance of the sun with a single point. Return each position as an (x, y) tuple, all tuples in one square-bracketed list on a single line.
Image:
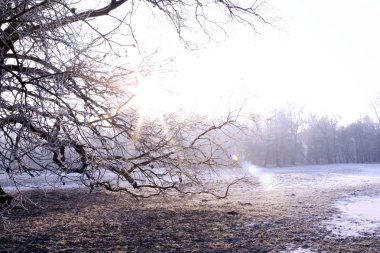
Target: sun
[(152, 99)]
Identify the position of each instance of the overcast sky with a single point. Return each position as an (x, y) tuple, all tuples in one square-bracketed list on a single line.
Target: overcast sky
[(325, 56)]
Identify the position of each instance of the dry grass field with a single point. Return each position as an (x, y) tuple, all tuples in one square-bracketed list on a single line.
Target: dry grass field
[(251, 219)]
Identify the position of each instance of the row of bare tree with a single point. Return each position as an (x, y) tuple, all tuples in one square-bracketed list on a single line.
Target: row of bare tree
[(287, 137)]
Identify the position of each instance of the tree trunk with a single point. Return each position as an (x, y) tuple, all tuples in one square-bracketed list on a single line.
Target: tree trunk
[(5, 198)]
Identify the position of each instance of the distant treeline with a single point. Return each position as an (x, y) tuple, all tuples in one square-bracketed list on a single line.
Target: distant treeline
[(287, 138)]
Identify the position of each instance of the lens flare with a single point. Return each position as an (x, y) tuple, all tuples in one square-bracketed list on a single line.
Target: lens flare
[(267, 180), (234, 157)]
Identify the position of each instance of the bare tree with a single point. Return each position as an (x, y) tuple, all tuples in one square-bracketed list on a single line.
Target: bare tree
[(280, 137), (63, 108), (321, 140)]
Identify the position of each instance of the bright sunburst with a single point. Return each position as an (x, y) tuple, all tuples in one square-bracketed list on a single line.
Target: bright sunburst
[(151, 99)]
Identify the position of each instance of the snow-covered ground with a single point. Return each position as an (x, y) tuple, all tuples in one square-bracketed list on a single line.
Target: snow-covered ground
[(43, 181), (315, 176), (358, 216)]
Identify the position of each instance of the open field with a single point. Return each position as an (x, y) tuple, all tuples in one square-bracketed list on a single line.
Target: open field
[(292, 213)]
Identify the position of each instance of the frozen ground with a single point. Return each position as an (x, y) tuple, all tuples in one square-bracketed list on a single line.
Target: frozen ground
[(356, 216), (315, 176), (331, 208), (43, 181)]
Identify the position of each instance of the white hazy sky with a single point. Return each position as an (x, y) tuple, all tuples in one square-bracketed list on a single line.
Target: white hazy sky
[(325, 57)]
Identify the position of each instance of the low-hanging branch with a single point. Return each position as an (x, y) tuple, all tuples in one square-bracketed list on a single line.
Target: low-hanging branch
[(65, 108)]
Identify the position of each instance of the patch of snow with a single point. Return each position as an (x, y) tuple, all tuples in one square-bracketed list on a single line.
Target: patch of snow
[(301, 250), (293, 249), (357, 216)]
